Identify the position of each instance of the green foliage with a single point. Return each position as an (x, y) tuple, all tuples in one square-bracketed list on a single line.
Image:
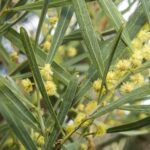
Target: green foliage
[(74, 84)]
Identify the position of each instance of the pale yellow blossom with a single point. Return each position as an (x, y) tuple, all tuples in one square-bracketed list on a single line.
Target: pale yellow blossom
[(27, 85), (127, 87), (50, 87)]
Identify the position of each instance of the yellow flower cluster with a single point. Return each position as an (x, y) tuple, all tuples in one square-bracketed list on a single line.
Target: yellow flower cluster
[(141, 53), (82, 112), (27, 85), (47, 73)]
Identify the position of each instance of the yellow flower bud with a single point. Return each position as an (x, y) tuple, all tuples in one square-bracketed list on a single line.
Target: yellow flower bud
[(70, 127), (46, 72), (135, 62), (137, 79), (79, 118), (50, 88), (40, 140), (14, 56), (136, 43), (53, 20), (127, 87), (123, 65), (46, 46), (71, 52), (80, 107), (27, 85), (100, 129), (146, 52), (97, 85), (90, 106), (138, 54)]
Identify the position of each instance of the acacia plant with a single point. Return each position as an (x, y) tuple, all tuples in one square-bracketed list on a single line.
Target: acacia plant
[(80, 81)]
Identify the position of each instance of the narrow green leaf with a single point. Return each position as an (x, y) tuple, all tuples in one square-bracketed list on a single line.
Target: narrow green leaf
[(18, 107), (61, 73), (63, 23), (42, 18), (76, 59), (5, 27), (4, 54), (38, 5), (89, 34), (138, 93), (36, 73), (110, 58), (86, 85), (111, 10), (64, 108), (131, 126), (136, 108), (17, 127), (146, 7)]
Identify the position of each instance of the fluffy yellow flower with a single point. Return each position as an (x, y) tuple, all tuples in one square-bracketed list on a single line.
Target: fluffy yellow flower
[(90, 106), (46, 46), (79, 118), (135, 62), (146, 52), (138, 54), (27, 85), (136, 43), (100, 129), (80, 107), (53, 20), (50, 88), (46, 72), (111, 79), (143, 35), (123, 65), (97, 85), (70, 127), (71, 52), (137, 79), (14, 56), (127, 87)]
